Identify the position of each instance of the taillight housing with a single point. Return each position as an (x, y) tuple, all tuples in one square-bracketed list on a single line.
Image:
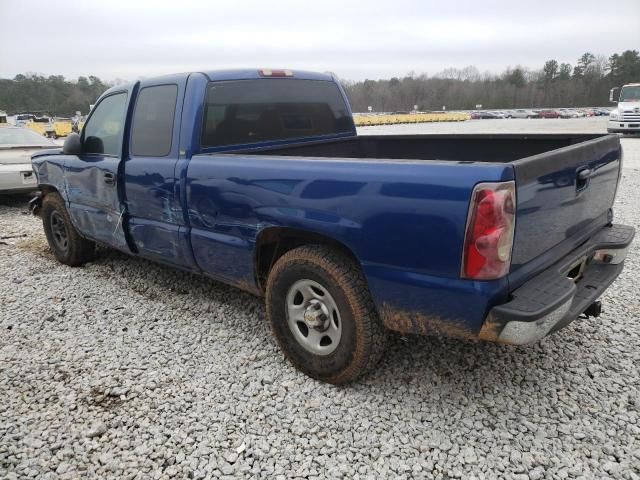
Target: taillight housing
[(488, 239)]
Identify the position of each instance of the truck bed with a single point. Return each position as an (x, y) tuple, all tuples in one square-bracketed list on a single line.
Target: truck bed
[(556, 211), (462, 148)]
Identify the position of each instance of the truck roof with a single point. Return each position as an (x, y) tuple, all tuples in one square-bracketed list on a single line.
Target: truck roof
[(250, 73), (232, 74)]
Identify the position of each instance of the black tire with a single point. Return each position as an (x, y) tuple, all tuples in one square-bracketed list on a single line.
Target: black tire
[(65, 241), (363, 336)]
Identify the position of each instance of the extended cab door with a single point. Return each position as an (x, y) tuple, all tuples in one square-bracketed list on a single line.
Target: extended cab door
[(156, 221), (92, 181)]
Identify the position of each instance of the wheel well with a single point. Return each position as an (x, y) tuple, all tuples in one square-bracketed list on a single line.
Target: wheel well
[(274, 242), (46, 189)]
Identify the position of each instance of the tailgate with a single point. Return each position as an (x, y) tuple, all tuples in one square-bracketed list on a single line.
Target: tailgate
[(563, 196)]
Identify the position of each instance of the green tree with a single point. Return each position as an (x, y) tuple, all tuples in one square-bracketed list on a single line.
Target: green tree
[(550, 70), (54, 94), (564, 73), (624, 68), (583, 64), (516, 77)]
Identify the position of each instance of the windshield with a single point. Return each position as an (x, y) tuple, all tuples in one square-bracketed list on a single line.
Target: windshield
[(250, 111), (630, 94), (22, 136)]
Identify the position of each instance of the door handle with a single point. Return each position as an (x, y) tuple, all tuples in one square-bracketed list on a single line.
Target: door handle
[(584, 174), (582, 179), (109, 178)]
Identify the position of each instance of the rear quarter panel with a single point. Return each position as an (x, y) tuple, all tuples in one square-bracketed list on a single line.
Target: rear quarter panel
[(403, 220)]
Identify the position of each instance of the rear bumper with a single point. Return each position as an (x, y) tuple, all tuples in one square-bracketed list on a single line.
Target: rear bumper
[(17, 178), (552, 300)]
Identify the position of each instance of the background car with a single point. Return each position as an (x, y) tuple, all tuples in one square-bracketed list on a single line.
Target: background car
[(21, 119), (485, 115), (602, 112), (566, 113), (523, 113), (549, 114), (16, 146)]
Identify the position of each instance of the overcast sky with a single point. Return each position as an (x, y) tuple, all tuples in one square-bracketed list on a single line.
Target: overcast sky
[(355, 39)]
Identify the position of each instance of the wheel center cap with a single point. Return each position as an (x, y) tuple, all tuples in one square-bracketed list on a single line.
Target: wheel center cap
[(316, 314)]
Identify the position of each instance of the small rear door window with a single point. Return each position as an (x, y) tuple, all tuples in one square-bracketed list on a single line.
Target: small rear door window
[(251, 111), (153, 121)]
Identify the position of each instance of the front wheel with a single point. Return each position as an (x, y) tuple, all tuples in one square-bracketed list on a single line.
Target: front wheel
[(322, 315), (64, 240)]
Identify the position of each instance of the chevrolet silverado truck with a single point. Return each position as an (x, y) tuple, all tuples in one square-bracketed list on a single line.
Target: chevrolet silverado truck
[(257, 178)]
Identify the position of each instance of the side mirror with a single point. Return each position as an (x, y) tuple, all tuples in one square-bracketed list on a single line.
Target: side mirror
[(613, 95), (72, 145)]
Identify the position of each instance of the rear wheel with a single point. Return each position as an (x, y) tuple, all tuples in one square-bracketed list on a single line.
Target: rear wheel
[(65, 241), (322, 315)]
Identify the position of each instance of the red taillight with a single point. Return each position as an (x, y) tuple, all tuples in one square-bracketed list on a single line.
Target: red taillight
[(265, 72), (489, 235)]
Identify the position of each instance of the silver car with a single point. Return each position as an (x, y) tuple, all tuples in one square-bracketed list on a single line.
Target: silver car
[(523, 113), (16, 146)]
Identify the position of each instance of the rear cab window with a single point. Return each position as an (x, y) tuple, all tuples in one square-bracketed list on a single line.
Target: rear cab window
[(242, 112), (152, 128)]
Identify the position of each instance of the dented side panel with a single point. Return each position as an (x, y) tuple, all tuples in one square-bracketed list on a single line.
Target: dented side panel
[(49, 169), (94, 204)]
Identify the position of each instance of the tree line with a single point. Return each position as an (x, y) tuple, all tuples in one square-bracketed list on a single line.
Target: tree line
[(585, 84), (53, 95)]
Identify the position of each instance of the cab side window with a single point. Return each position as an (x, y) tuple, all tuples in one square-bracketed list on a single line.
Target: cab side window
[(153, 121), (103, 132)]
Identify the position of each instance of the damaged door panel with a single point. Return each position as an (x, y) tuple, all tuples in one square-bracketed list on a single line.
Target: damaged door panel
[(92, 178)]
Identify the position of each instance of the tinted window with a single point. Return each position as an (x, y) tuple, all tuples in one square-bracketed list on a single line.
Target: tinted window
[(103, 131), (153, 121), (250, 111)]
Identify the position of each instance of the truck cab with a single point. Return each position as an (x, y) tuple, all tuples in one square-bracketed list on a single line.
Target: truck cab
[(626, 117)]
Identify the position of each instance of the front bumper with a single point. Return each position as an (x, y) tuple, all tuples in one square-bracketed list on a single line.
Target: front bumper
[(623, 126), (552, 299)]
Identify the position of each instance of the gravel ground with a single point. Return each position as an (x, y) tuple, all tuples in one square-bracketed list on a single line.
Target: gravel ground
[(126, 369)]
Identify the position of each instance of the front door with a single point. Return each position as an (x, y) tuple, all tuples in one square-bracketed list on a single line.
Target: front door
[(92, 178)]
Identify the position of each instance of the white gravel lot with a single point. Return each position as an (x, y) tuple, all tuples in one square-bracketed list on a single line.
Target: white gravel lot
[(126, 369)]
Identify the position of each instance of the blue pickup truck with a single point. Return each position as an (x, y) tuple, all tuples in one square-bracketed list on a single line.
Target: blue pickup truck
[(257, 178)]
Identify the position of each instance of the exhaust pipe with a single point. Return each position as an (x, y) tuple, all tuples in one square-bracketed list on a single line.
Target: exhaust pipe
[(594, 310)]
